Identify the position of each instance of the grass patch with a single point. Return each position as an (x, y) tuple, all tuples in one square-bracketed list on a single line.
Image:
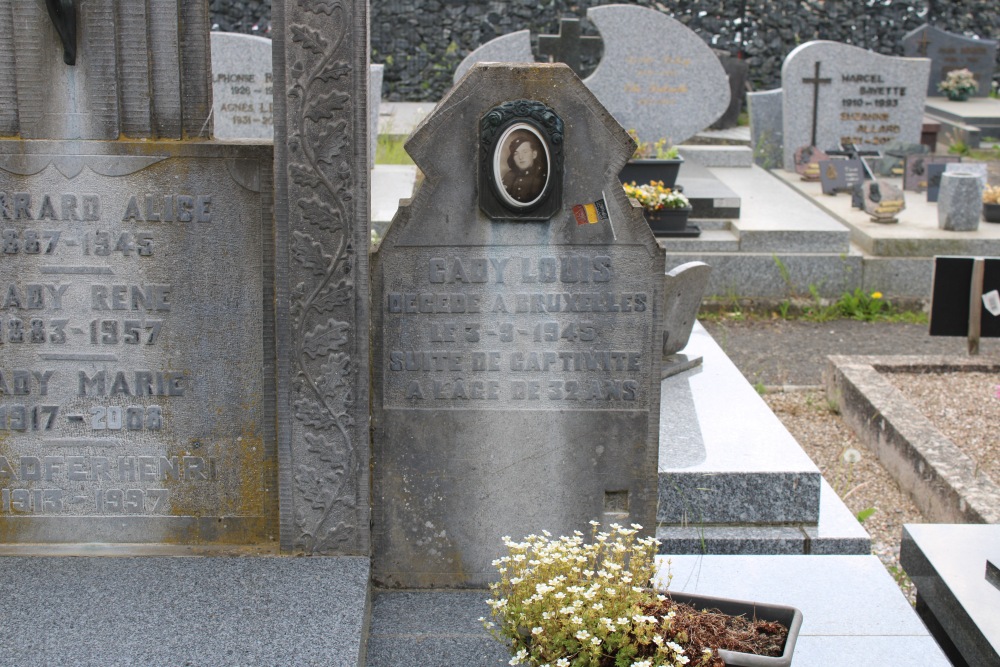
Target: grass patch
[(389, 150)]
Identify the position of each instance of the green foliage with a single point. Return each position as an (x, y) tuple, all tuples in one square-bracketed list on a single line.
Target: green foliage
[(389, 150), (760, 388), (865, 514)]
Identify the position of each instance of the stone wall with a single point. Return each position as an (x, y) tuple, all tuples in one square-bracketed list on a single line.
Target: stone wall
[(422, 41)]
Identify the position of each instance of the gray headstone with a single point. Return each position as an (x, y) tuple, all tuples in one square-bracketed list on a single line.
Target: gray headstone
[(321, 263), (137, 382), (738, 72), (960, 202), (843, 94), (512, 48), (657, 76), (894, 155), (683, 289), (515, 364), (569, 46), (948, 52), (766, 128), (142, 70), (242, 89)]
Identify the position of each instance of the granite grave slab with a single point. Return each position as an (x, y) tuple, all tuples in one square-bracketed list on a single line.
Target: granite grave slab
[(949, 51), (840, 94), (511, 345), (513, 47), (657, 76), (917, 174)]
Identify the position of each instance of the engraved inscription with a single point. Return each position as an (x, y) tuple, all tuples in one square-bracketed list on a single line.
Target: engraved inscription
[(525, 329)]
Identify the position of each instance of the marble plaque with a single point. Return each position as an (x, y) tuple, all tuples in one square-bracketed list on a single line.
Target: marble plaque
[(948, 52), (840, 175), (137, 379), (840, 94), (915, 178)]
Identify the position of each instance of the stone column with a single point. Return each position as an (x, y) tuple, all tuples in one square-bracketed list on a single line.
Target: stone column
[(321, 59)]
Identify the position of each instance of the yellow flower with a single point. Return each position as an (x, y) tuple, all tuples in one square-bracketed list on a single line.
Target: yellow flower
[(876, 295)]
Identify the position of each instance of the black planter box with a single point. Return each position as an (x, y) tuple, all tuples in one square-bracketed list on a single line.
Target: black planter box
[(644, 171), (991, 212), (790, 617), (672, 222)]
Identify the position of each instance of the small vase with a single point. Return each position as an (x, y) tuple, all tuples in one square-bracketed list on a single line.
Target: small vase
[(991, 212), (958, 95)]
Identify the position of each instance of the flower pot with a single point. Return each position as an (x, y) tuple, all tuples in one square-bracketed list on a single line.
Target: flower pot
[(958, 95), (790, 617), (991, 212), (646, 170), (670, 222)]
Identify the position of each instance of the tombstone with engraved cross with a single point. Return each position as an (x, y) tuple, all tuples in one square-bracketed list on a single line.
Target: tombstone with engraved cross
[(518, 332), (948, 52), (839, 94)]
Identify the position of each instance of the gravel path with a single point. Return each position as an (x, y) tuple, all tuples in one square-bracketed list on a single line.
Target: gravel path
[(792, 353)]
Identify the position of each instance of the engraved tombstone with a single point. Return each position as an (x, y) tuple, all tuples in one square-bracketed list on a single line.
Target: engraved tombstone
[(242, 87), (517, 332), (137, 380), (838, 94), (948, 52)]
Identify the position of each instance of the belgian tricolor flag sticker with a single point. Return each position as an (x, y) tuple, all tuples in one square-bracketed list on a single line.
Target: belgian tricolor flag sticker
[(589, 214)]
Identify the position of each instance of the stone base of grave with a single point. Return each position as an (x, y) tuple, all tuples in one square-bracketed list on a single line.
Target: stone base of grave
[(735, 481), (972, 121), (709, 196), (948, 565), (853, 613), (206, 611), (925, 463)]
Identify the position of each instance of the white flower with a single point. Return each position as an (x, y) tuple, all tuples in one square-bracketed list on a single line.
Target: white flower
[(562, 662), (519, 657), (582, 635), (622, 620), (642, 663), (596, 641), (537, 630)]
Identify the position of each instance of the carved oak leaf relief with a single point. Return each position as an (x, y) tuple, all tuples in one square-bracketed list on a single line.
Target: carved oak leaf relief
[(325, 105), (325, 338), (331, 142), (307, 252), (314, 415), (334, 72), (310, 40), (322, 6), (320, 214)]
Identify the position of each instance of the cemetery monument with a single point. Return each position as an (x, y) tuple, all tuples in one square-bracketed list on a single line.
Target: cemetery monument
[(509, 330), (948, 51), (835, 94)]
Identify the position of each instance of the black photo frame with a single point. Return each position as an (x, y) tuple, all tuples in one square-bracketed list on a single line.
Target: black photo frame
[(521, 162)]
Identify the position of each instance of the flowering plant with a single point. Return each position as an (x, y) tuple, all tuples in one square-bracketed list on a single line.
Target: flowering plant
[(659, 149), (959, 81), (991, 195), (564, 603), (655, 196)]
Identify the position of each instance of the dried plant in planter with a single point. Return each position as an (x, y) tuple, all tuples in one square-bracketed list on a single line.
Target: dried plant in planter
[(561, 602)]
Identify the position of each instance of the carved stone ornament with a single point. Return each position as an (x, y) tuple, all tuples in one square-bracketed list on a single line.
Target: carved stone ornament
[(320, 137), (521, 162)]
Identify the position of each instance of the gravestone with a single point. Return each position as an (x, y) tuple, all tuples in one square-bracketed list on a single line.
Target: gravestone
[(570, 46), (242, 89), (948, 51), (960, 202), (656, 76), (839, 94), (518, 345), (766, 128), (840, 175), (738, 72), (138, 406), (934, 172), (916, 176), (883, 201), (894, 156)]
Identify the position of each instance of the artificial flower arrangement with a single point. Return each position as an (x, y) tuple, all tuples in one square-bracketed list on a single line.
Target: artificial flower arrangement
[(958, 83), (654, 196), (659, 149), (561, 602), (991, 195)]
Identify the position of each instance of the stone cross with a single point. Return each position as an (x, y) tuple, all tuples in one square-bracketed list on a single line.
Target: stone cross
[(569, 46), (816, 81)]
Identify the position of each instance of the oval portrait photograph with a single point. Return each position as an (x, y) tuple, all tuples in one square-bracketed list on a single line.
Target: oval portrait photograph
[(521, 166)]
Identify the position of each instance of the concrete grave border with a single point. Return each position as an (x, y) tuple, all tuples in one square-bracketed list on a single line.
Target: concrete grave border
[(925, 463)]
